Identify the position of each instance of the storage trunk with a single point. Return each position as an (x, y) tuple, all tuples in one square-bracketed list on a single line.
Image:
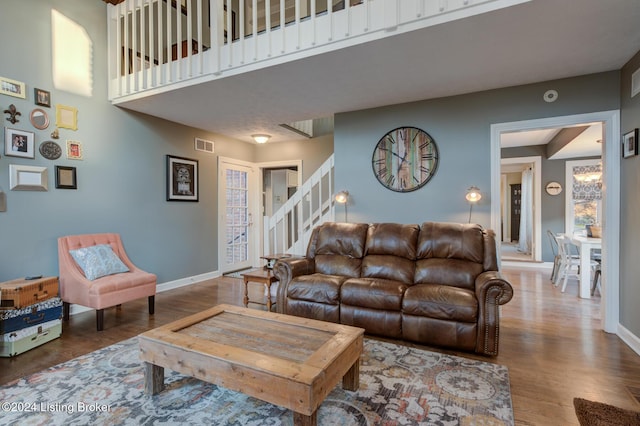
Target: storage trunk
[(20, 293), (17, 319), (17, 342)]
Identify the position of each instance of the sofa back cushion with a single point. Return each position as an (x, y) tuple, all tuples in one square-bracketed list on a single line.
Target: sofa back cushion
[(450, 253), (390, 252), (338, 248)]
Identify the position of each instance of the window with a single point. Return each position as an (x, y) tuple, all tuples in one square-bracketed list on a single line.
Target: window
[(583, 195)]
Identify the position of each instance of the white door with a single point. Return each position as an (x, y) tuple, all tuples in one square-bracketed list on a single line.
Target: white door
[(236, 184)]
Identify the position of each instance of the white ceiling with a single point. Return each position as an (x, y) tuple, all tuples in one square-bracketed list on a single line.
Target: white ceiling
[(536, 41), (586, 144)]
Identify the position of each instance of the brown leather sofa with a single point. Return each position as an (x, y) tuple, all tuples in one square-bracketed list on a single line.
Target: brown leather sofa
[(436, 284)]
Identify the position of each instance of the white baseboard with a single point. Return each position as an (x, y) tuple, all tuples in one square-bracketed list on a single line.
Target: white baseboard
[(629, 338), (526, 265), (170, 285)]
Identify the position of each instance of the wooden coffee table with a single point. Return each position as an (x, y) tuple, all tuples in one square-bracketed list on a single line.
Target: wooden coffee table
[(288, 361)]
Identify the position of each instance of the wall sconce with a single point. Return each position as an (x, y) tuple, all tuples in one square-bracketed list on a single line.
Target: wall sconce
[(261, 138), (473, 196), (342, 197)]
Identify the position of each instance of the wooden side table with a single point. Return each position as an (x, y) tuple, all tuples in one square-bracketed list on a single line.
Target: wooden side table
[(263, 276)]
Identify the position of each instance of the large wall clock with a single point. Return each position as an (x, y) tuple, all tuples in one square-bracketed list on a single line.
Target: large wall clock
[(405, 159)]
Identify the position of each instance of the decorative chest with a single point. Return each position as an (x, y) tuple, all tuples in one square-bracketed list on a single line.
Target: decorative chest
[(20, 293), (17, 319), (17, 342)]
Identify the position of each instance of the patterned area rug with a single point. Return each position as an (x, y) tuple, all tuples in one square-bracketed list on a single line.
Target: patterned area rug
[(398, 386)]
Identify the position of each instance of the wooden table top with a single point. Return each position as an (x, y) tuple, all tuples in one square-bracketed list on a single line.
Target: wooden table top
[(295, 348)]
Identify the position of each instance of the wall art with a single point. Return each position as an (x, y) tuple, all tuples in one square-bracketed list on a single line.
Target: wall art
[(12, 88), (74, 150), (42, 97), (66, 177), (19, 143), (66, 117), (182, 179)]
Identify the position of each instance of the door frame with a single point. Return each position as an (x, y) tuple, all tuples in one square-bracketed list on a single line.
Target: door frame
[(610, 305), (537, 200), (271, 165)]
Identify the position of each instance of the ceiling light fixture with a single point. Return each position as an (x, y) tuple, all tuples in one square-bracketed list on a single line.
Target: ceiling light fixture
[(261, 138)]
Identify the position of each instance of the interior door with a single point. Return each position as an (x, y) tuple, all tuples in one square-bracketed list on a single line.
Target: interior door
[(236, 183)]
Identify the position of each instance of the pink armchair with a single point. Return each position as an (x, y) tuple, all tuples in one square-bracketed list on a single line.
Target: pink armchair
[(104, 292)]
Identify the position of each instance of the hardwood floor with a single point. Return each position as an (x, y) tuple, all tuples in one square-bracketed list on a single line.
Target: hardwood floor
[(550, 341)]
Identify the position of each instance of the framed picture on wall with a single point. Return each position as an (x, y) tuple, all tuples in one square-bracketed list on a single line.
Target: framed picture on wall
[(66, 177), (182, 179), (630, 143), (13, 88), (19, 143)]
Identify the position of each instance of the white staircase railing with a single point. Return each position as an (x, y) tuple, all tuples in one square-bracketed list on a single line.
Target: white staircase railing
[(289, 229)]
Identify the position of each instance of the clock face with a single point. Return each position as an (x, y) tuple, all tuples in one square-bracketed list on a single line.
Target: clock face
[(405, 159)]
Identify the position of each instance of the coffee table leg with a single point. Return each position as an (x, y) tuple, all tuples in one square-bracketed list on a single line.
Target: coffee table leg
[(153, 378), (246, 292), (351, 380), (303, 420)]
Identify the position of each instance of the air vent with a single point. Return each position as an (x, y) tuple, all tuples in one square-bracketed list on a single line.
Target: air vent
[(204, 145), (635, 83)]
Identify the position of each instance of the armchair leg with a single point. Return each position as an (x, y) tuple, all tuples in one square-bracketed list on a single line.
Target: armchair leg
[(152, 305), (100, 319), (65, 310)]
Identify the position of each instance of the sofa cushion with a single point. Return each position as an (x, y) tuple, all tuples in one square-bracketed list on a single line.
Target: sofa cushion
[(389, 267), (441, 302), (452, 272), (319, 288), (344, 239), (373, 293), (392, 239), (451, 241)]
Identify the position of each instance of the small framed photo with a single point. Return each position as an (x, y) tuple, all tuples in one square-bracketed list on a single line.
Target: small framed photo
[(182, 179), (19, 143), (74, 150), (66, 117), (66, 177), (13, 88), (630, 143), (42, 97)]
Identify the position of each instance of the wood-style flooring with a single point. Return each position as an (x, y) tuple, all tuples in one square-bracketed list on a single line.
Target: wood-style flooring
[(550, 341)]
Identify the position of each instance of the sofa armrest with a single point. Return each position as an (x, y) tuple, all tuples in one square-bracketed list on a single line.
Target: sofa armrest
[(287, 269), (492, 290)]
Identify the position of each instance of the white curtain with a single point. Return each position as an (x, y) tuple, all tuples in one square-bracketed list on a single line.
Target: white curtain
[(526, 213)]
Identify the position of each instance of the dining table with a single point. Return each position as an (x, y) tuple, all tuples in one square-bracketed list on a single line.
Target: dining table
[(585, 246)]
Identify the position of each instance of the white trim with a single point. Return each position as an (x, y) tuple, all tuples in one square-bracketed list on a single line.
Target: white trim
[(271, 165), (170, 285), (610, 312), (526, 265), (537, 200), (629, 338)]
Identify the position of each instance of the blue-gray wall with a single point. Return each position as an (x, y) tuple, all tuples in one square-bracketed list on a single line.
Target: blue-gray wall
[(630, 196), (121, 180), (460, 126)]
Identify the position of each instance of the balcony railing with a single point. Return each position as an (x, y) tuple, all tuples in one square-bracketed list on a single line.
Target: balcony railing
[(162, 44)]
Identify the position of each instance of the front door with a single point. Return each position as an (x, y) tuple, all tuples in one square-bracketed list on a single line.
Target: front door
[(236, 182)]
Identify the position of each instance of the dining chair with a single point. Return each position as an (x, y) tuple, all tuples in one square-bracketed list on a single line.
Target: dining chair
[(556, 256), (569, 259)]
